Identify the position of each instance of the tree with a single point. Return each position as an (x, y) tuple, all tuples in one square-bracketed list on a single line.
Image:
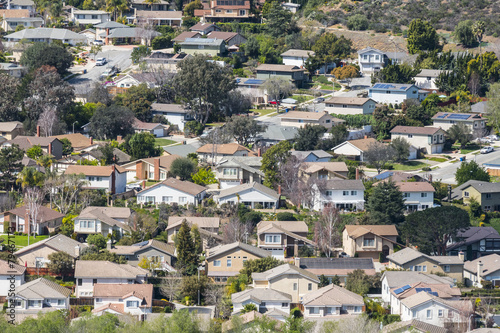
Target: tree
[(9, 104), (190, 7), (422, 37), (357, 22), (378, 154), (463, 33), (67, 148), (432, 228), (308, 137), (249, 308), (34, 152), (161, 42), (252, 47), (142, 145), (358, 282), (61, 263), (169, 287), (395, 73), (198, 244), (471, 171), (109, 122), (97, 240), (95, 49), (236, 230), (478, 29), (139, 99), (108, 154), (243, 128), (323, 281), (346, 73), (326, 233), (492, 104), (44, 54), (182, 168), (272, 159), (277, 88), (30, 177), (386, 204), (279, 21), (64, 190), (99, 94), (401, 148), (104, 255), (461, 133), (187, 259), (259, 265), (328, 49), (10, 165), (192, 286), (204, 176), (191, 85)]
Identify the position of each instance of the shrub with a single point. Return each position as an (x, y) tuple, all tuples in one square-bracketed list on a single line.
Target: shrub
[(285, 216), (357, 22)]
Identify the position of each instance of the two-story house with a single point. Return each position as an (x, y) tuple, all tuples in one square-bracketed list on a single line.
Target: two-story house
[(474, 242), (160, 255), (350, 105), (312, 155), (204, 28), (426, 79), (212, 154), (344, 194), (293, 73), (173, 191), (414, 260), (224, 261), (103, 220), (288, 279), (176, 114), (369, 241), (482, 269), (208, 224), (154, 168), (430, 140), (294, 57), (371, 60), (283, 238), (110, 178), (237, 170), (473, 121), (303, 118), (336, 267), (225, 10), (251, 195), (417, 195), (485, 193), (267, 301), (28, 5), (332, 301), (395, 93), (11, 23), (210, 46), (19, 219), (11, 275), (354, 149), (133, 299), (323, 170), (158, 5), (88, 273), (50, 145), (84, 17), (231, 38)]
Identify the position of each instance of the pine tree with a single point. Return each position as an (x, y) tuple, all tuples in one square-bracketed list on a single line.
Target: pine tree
[(187, 260), (386, 204), (198, 244)]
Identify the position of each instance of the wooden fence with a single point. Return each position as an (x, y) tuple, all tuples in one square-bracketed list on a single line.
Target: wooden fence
[(81, 301), (43, 271)]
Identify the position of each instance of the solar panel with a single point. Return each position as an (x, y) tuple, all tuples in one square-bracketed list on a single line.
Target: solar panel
[(377, 85), (141, 243), (406, 287), (428, 290), (253, 81), (403, 88), (398, 291), (433, 293), (459, 116)]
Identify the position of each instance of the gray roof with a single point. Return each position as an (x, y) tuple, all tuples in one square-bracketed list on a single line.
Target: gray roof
[(417, 325), (484, 187), (491, 264), (59, 243), (473, 235), (337, 263), (82, 11), (183, 150), (260, 295), (332, 295), (298, 53), (46, 33), (397, 279), (249, 163), (107, 215), (369, 48), (107, 269), (164, 107), (22, 2), (480, 107), (24, 19), (345, 184), (249, 186), (221, 249), (301, 155), (111, 25), (393, 86), (131, 33), (408, 254), (42, 288), (429, 73), (278, 133), (285, 269), (120, 155), (202, 41)]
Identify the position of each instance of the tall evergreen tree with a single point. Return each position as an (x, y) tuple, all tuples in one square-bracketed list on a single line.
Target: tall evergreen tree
[(198, 244), (187, 259), (386, 204)]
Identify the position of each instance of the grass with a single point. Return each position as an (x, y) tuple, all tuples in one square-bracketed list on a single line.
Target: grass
[(263, 112), (323, 85), (150, 182), (437, 159), (164, 142), (495, 223), (470, 149), (410, 165), (22, 241), (302, 98), (215, 124)]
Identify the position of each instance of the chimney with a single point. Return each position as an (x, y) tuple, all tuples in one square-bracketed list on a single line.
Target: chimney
[(297, 262), (279, 190), (91, 140), (156, 164), (366, 136), (109, 244), (259, 152), (461, 256), (479, 273), (357, 174), (113, 179), (50, 148), (77, 251), (119, 138), (143, 184), (38, 131)]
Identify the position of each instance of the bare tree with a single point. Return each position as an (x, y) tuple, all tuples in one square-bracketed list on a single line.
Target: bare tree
[(214, 295), (170, 285), (48, 120), (361, 324), (236, 231), (290, 181), (146, 31), (311, 191), (326, 233), (64, 190), (33, 199), (378, 154), (277, 88)]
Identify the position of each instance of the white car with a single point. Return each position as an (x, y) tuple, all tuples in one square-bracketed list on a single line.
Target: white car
[(486, 150), (101, 62), (98, 42)]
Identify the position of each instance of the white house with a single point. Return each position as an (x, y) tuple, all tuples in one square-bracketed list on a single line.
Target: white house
[(12, 69), (395, 93), (102, 220), (40, 295), (234, 171), (176, 114), (485, 268), (332, 300), (296, 57), (371, 60), (11, 277), (312, 155), (172, 191), (417, 195), (474, 121), (154, 168), (250, 194), (264, 299), (134, 299), (157, 129), (344, 194), (111, 178), (350, 105), (85, 17), (22, 4), (47, 35), (429, 140), (354, 148), (11, 23), (88, 273), (426, 79)]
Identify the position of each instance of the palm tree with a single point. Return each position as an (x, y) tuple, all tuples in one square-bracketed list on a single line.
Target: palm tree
[(30, 177), (151, 3), (478, 30), (114, 5)]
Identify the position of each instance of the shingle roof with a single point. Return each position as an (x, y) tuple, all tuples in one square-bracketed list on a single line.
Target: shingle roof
[(423, 297), (285, 269), (226, 149), (59, 243), (408, 254), (120, 308), (131, 33), (186, 34), (121, 291), (429, 73), (159, 14), (110, 25), (396, 279), (381, 230), (201, 222), (44, 214), (312, 167), (10, 13), (141, 125), (164, 107), (78, 140), (201, 26), (292, 226), (221, 249), (369, 48), (491, 264), (473, 235), (415, 130), (416, 325), (152, 243), (249, 186), (446, 115), (46, 33), (361, 144), (303, 154), (108, 215), (202, 41), (303, 115), (182, 150), (107, 269), (273, 228), (7, 268), (260, 295), (227, 36), (279, 68), (442, 290), (332, 295), (278, 133), (415, 187), (26, 142), (481, 107), (298, 53), (345, 184), (393, 86), (251, 164), (120, 155), (93, 170), (347, 100), (42, 288), (183, 186)]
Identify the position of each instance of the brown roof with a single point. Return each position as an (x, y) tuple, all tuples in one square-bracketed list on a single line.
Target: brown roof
[(78, 141), (332, 295), (347, 100), (141, 125), (292, 226), (356, 231), (304, 115), (44, 214), (14, 13), (93, 170), (298, 53), (9, 126), (279, 68), (443, 290), (363, 144), (107, 269), (26, 142), (415, 187), (225, 149), (121, 291), (165, 161), (227, 36), (201, 222), (201, 26), (7, 268), (112, 306), (415, 130), (186, 34), (312, 167), (161, 14), (184, 186)]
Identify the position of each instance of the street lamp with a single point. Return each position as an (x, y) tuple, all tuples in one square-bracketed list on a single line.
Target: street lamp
[(74, 126)]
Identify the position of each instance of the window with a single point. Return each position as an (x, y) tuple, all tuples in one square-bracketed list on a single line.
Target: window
[(466, 194), (420, 268), (229, 11), (229, 264), (132, 304), (79, 282), (151, 175), (242, 12), (410, 136), (90, 224), (357, 309), (309, 286), (284, 305), (167, 199), (230, 171), (217, 263), (94, 17), (218, 11), (163, 175), (329, 193), (328, 121), (377, 57), (345, 193), (94, 281), (446, 268), (440, 313), (488, 195), (130, 281), (344, 106), (149, 199), (368, 241), (388, 92), (276, 239), (414, 314), (429, 314), (423, 195), (313, 310), (182, 199), (295, 286), (365, 57), (83, 224), (20, 228), (330, 310), (354, 192), (406, 195)]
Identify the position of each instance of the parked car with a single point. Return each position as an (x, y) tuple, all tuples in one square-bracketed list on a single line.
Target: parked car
[(136, 187), (492, 137), (109, 71), (320, 100), (98, 42), (486, 150), (483, 140), (274, 102), (101, 62)]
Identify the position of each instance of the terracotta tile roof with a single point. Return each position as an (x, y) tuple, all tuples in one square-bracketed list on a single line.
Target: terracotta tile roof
[(415, 130), (332, 295), (415, 187), (279, 68), (45, 214), (93, 170), (201, 222), (347, 100), (7, 268), (225, 149), (78, 141), (356, 231), (120, 308), (304, 115), (122, 291), (184, 186)]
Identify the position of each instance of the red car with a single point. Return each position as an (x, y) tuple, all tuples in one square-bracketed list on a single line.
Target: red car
[(274, 102)]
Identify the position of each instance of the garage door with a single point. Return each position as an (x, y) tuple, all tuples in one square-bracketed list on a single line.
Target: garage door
[(277, 253)]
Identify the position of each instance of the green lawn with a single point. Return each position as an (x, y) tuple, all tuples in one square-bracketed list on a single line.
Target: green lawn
[(410, 165), (495, 223), (164, 142), (437, 159), (470, 149), (150, 182), (302, 98), (263, 112), (21, 241)]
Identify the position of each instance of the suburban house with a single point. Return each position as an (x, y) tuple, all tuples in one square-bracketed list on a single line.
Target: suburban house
[(426, 79), (10, 129), (158, 5), (369, 241), (37, 254), (283, 238), (159, 130), (213, 153), (171, 18), (234, 171), (294, 57), (160, 255), (210, 46), (323, 170), (40, 295), (110, 178), (413, 260), (482, 269), (102, 30), (204, 28), (474, 242), (231, 38), (344, 194), (265, 300), (222, 10), (47, 220), (182, 150), (47, 35), (11, 23), (176, 114), (84, 17), (186, 34), (12, 69), (11, 275), (28, 5), (417, 195), (50, 145), (302, 118), (354, 149), (474, 121), (332, 300), (133, 299), (119, 157), (395, 93), (224, 261), (274, 135), (397, 176), (135, 79), (429, 140), (165, 61), (251, 195), (79, 142), (336, 267), (88, 273), (208, 224), (287, 72), (293, 7), (288, 279), (154, 168), (172, 191), (485, 193), (312, 156), (479, 107), (371, 60), (125, 35), (103, 220), (350, 105), (392, 280)]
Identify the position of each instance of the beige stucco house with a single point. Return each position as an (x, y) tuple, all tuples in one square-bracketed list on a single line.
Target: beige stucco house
[(446, 120), (369, 241), (429, 140), (323, 170), (302, 118)]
